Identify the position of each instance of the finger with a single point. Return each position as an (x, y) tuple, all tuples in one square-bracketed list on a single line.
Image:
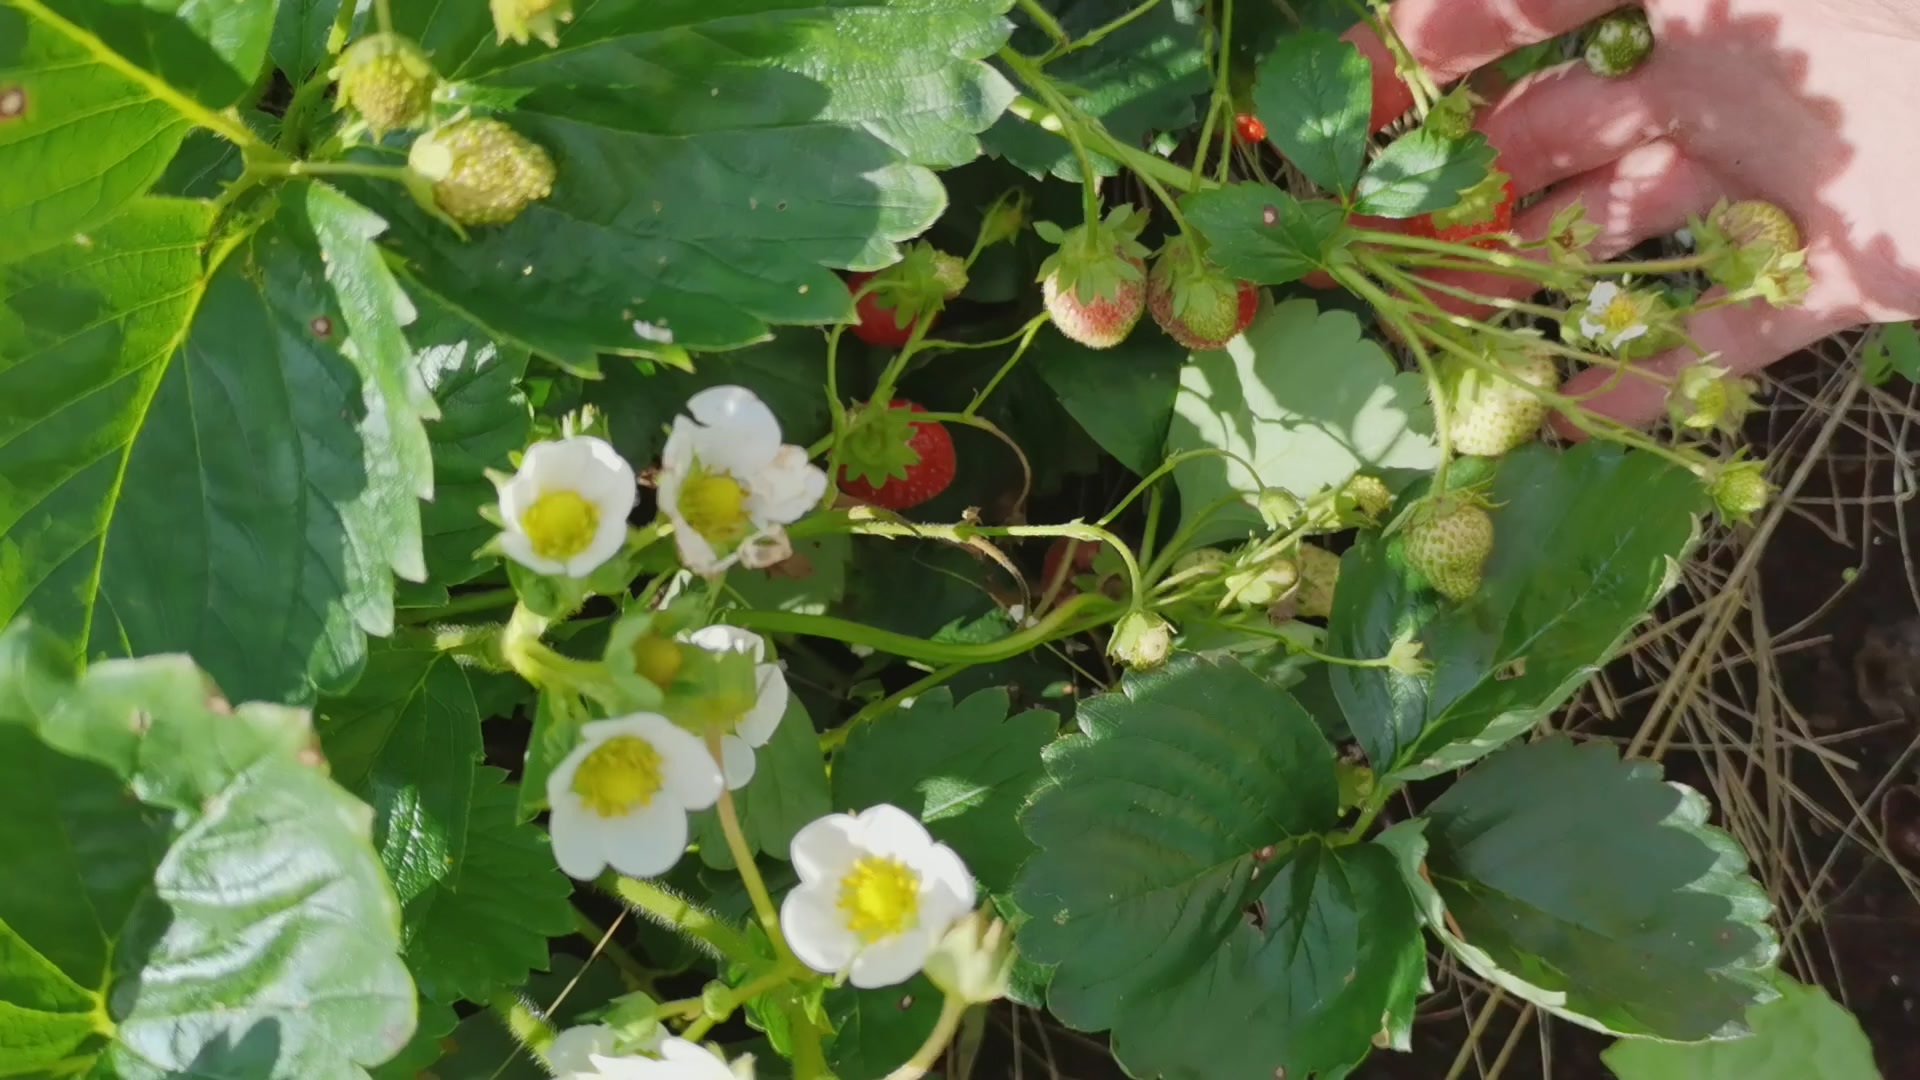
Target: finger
[(1651, 191), (1747, 338), (1453, 37), (1564, 122)]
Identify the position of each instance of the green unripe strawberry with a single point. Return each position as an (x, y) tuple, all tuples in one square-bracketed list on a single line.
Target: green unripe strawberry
[(1619, 43), (1200, 559), (1491, 416), (1196, 303), (519, 20), (1369, 494), (1448, 543), (483, 172), (387, 82), (1740, 490), (1752, 222), (1095, 285), (1141, 639), (1319, 573)]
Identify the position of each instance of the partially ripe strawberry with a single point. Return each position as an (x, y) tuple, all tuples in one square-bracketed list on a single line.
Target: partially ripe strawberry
[(880, 323), (1249, 130), (894, 462), (1483, 213), (1197, 304), (1491, 416), (1448, 543), (1095, 285)]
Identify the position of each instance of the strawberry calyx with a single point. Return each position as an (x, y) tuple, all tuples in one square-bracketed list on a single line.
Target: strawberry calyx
[(1194, 301), (880, 446), (1096, 259), (919, 284), (1486, 207)]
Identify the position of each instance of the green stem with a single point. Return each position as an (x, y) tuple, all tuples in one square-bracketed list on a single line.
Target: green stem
[(738, 996), (1222, 97), (1410, 287), (929, 1053), (676, 912), (832, 740), (744, 864), (1166, 467), (1139, 161), (396, 173), (1046, 22), (1093, 37), (1368, 814), (809, 1060), (1069, 618), (1028, 72), (1026, 339), (959, 534), (463, 604)]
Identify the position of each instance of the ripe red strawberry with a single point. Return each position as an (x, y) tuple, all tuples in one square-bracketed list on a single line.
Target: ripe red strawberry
[(1483, 213), (1248, 129), (896, 463), (918, 285), (1196, 303), (1095, 285), (879, 323)]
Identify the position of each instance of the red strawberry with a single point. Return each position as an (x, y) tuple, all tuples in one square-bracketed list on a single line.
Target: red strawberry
[(1248, 129), (1057, 568), (1095, 285), (893, 462), (879, 324), (899, 296), (1196, 303), (1484, 212)]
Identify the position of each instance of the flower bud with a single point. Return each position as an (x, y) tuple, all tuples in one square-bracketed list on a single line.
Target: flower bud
[(387, 82), (974, 961), (483, 172), (1739, 490), (1141, 640)]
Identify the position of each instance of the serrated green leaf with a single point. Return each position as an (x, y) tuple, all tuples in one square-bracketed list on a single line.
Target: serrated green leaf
[(1122, 396), (407, 740), (1315, 96), (1570, 576), (876, 1031), (1802, 1035), (298, 44), (1259, 233), (484, 417), (485, 927), (715, 160), (213, 885), (1593, 889), (79, 136), (264, 418), (788, 789), (1138, 81), (965, 769), (1422, 172), (1195, 793), (1303, 397), (204, 164)]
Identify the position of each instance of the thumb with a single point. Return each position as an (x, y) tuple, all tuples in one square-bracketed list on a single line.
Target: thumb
[(1746, 339)]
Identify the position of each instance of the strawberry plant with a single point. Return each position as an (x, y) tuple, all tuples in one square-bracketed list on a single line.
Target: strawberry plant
[(479, 599)]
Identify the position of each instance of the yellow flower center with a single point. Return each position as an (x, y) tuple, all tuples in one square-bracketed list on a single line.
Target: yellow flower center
[(560, 524), (714, 505), (1620, 315), (657, 660), (618, 775), (880, 897)]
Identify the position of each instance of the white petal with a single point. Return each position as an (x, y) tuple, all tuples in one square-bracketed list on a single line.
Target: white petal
[(810, 921), (578, 843), (946, 887), (698, 1062), (570, 463), (890, 962), (691, 776), (568, 1053), (741, 433), (723, 638), (825, 848), (609, 536), (517, 494), (515, 544), (695, 553), (647, 841), (765, 548), (786, 489), (1591, 329), (769, 705), (890, 831), (1638, 330), (1602, 295), (641, 724), (737, 758)]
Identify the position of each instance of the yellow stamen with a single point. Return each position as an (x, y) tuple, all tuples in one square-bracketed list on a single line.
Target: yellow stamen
[(1620, 315), (618, 776), (560, 524), (714, 505), (880, 896)]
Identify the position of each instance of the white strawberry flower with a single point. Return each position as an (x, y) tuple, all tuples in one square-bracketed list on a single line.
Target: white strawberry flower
[(770, 694), (571, 1053), (620, 798), (1614, 316), (729, 484), (876, 895), (586, 1053), (565, 510)]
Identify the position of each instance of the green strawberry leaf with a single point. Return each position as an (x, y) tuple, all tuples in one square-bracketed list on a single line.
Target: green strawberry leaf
[(1122, 396), (965, 769), (407, 740), (79, 136), (484, 417), (1595, 890), (874, 1031), (214, 907), (139, 405), (1570, 576), (788, 789), (298, 45), (484, 927), (1138, 81), (1180, 884), (1307, 401), (1422, 172), (1801, 1035), (714, 163), (1315, 95), (1258, 233)]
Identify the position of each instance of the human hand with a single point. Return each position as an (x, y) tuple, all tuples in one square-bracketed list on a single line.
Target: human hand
[(1802, 104)]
